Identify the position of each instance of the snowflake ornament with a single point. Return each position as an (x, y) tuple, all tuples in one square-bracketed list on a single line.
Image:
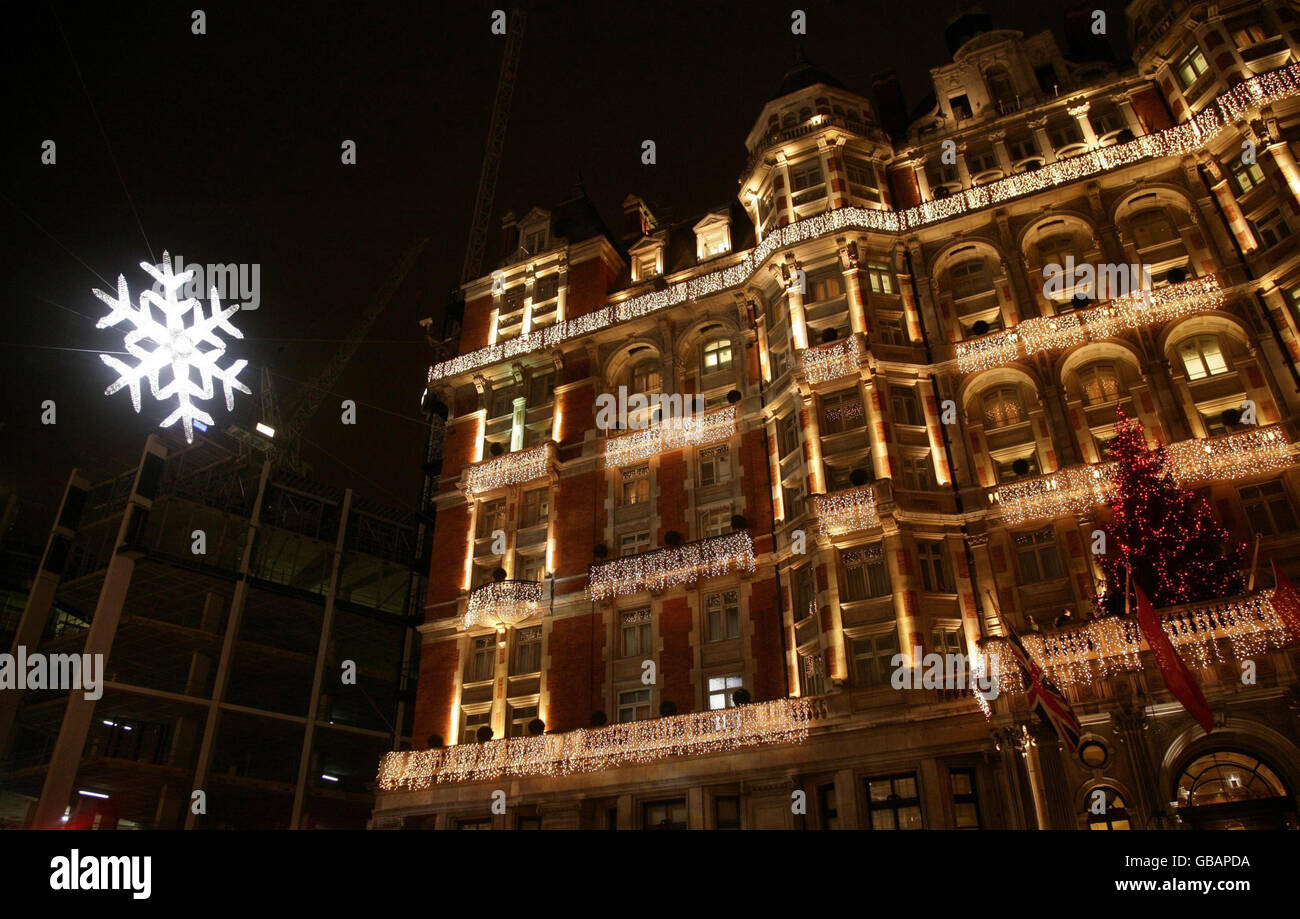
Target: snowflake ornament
[(173, 345)]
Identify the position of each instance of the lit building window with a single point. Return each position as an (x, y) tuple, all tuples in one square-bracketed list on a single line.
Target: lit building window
[(1109, 812), (1248, 176), (965, 803), (1002, 406), (1190, 67), (841, 412), (1100, 384), (1202, 357), (894, 803), (520, 717), (491, 517), (636, 485), (471, 723), (634, 543), (482, 659), (665, 815), (721, 688), (536, 507), (717, 355), (715, 522), (880, 278)]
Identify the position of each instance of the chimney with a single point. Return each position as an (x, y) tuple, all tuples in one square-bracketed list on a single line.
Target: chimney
[(637, 219), (509, 234), (891, 107)]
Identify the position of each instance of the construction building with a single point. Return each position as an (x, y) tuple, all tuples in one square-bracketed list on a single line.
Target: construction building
[(255, 627), (696, 624)]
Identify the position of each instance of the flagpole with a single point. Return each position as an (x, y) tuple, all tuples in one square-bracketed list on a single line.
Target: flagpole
[(1254, 564)]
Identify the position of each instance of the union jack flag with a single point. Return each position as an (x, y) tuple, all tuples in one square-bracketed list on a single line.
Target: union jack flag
[(1044, 697)]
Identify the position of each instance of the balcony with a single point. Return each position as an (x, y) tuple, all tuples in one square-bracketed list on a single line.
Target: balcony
[(510, 469), (671, 434), (830, 362), (583, 750), (1055, 333), (1100, 648), (662, 569), (1077, 489), (502, 604), (847, 511)]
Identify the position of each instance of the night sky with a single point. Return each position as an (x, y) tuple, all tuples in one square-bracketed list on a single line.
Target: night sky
[(226, 148)]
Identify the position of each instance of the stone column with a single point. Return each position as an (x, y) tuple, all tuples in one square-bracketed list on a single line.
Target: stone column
[(1079, 113), (853, 286)]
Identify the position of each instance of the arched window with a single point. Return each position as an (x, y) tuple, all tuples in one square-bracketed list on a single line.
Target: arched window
[(1225, 777), (970, 277), (1001, 89), (717, 355), (1106, 810), (1002, 406), (1202, 357), (645, 377), (1152, 227), (1100, 384)]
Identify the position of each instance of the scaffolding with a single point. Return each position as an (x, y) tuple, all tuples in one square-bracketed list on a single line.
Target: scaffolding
[(233, 603)]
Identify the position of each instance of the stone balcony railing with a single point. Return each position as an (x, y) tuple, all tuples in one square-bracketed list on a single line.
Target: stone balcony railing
[(832, 361), (661, 569), (1054, 333), (847, 511), (509, 469), (589, 750), (693, 430), (1077, 489), (1100, 648), (500, 604)]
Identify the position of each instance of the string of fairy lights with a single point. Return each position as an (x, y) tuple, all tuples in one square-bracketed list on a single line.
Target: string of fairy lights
[(501, 604), (1056, 333), (846, 511), (661, 569), (821, 365), (1227, 109), (671, 434), (510, 469), (1077, 489), (590, 750), (1205, 634)]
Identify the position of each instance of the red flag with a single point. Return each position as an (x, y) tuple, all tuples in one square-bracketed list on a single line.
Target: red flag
[(1286, 602), (1178, 679)]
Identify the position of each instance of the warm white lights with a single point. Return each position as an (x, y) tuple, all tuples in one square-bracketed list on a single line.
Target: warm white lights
[(174, 347), (500, 604), (511, 469), (846, 511), (821, 365), (1100, 648), (778, 721), (1076, 489), (672, 434), (664, 568), (1180, 140), (1055, 333)]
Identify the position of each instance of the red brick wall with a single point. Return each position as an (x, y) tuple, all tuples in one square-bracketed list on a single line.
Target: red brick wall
[(435, 693), (575, 675), (446, 568), (476, 324), (754, 489), (459, 448), (672, 496), (677, 659), (577, 407), (580, 518), (765, 645), (1151, 109), (588, 287)]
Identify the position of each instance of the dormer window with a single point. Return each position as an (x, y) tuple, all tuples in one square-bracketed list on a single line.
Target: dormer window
[(535, 241), (712, 236), (647, 258)]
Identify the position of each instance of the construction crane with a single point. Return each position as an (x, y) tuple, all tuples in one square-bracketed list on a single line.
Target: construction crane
[(496, 142)]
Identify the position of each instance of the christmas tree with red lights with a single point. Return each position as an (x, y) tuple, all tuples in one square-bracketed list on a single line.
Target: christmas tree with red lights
[(1166, 536)]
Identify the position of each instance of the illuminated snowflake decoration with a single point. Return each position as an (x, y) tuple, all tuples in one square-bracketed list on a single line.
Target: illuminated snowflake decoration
[(173, 345)]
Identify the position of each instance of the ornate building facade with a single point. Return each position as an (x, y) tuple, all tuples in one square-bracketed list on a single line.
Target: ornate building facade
[(695, 621)]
